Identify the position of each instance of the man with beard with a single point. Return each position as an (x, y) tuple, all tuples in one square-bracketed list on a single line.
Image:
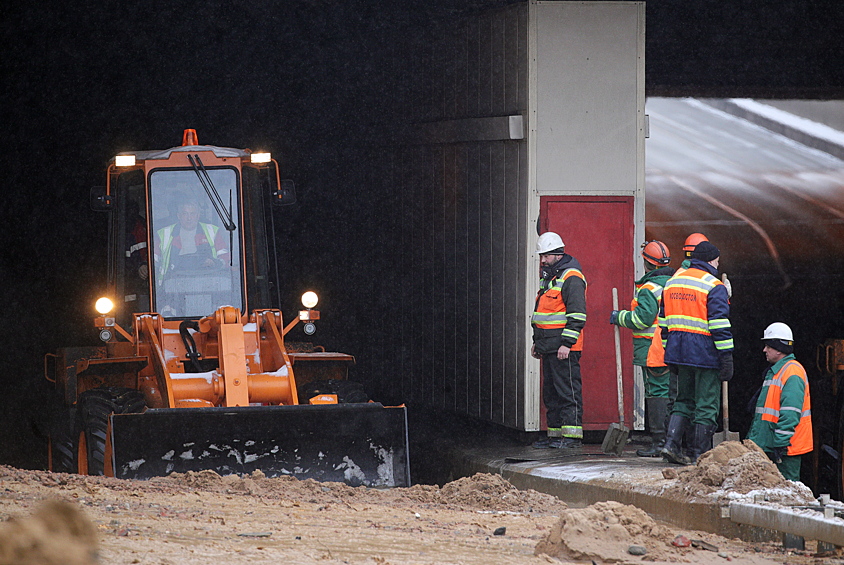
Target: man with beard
[(558, 321)]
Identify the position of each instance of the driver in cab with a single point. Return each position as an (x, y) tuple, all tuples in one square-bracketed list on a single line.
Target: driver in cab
[(189, 245)]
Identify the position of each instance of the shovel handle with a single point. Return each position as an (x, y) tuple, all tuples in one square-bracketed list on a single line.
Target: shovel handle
[(725, 405), (618, 361)]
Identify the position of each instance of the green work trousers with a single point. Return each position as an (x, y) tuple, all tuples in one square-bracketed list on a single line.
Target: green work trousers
[(698, 395), (656, 382), (790, 467)]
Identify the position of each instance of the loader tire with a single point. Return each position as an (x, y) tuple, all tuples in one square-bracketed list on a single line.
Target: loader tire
[(61, 442), (348, 392), (93, 409)]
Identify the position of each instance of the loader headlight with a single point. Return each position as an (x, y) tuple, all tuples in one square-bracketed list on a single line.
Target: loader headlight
[(260, 157), (309, 328), (104, 305), (310, 299)]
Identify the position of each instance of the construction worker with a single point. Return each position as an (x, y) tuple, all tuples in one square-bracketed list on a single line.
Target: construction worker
[(558, 321), (695, 326), (188, 245), (689, 246), (642, 319), (782, 424)]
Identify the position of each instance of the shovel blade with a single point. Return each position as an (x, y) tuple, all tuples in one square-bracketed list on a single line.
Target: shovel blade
[(721, 437), (616, 439)]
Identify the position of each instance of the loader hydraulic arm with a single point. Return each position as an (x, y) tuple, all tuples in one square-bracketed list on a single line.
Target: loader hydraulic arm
[(150, 336)]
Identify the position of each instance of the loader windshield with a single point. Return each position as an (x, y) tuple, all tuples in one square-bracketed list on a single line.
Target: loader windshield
[(196, 260)]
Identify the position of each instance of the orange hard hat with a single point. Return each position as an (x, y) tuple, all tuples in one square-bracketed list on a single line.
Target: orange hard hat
[(656, 253), (692, 241)]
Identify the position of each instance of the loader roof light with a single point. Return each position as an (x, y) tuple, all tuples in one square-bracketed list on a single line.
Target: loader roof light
[(260, 157), (104, 305), (310, 299), (189, 138), (124, 160)]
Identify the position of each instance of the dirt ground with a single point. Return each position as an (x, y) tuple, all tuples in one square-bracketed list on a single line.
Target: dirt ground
[(205, 518)]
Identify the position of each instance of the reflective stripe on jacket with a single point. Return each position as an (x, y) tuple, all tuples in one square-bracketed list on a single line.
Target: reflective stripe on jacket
[(695, 318), (643, 314), (552, 316), (647, 293), (791, 419)]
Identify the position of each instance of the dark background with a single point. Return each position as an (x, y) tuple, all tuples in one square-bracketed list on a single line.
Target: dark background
[(307, 80)]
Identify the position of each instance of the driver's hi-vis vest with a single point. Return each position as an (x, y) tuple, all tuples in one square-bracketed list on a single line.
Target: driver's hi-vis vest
[(165, 238), (801, 438), (550, 313)]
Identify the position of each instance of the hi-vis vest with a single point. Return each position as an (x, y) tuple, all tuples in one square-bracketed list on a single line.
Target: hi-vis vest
[(801, 438), (165, 238), (656, 290), (684, 298), (550, 311)]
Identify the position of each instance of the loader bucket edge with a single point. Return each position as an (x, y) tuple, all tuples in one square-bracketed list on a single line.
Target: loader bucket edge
[(357, 444)]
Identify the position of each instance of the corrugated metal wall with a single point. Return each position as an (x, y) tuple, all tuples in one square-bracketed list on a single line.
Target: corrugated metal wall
[(454, 224)]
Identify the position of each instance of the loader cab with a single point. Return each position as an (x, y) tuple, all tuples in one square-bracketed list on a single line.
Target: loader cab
[(195, 241), (190, 230)]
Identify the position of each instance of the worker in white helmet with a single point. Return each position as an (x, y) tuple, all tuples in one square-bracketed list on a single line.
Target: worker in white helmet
[(558, 320), (782, 423)]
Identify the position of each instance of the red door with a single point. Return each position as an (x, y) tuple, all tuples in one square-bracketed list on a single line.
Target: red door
[(598, 232)]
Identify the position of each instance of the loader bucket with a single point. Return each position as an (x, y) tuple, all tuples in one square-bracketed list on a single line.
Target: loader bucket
[(358, 444)]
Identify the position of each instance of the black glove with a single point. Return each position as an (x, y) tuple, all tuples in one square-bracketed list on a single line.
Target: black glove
[(726, 367), (777, 454), (614, 317), (673, 369)]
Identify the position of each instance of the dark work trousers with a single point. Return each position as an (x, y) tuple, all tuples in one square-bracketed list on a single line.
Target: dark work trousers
[(562, 393)]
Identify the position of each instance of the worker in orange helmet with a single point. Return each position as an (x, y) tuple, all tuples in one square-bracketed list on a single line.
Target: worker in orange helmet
[(688, 247), (642, 319)]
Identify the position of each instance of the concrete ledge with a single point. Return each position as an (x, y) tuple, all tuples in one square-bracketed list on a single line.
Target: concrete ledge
[(799, 523), (587, 479)]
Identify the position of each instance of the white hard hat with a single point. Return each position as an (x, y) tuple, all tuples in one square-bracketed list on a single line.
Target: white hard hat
[(778, 330), (550, 242)]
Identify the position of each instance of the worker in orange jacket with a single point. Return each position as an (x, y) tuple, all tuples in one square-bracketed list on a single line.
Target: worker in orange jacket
[(695, 328), (558, 321), (782, 424)]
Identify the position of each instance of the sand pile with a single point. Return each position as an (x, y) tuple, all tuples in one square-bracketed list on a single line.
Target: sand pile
[(604, 532), (735, 471), (58, 533)]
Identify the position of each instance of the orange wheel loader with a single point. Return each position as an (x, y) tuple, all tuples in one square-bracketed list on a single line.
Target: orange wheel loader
[(193, 372)]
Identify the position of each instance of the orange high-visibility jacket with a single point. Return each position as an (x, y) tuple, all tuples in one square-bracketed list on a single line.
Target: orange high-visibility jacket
[(695, 318), (801, 437), (550, 313)]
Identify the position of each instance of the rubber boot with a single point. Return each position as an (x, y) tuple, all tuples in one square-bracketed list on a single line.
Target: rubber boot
[(689, 441), (702, 440), (655, 410), (671, 451)]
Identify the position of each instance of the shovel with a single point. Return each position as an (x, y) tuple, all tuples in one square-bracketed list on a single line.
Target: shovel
[(726, 435), (617, 434)]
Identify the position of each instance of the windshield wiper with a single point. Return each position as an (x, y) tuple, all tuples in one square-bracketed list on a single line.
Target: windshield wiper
[(219, 206)]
